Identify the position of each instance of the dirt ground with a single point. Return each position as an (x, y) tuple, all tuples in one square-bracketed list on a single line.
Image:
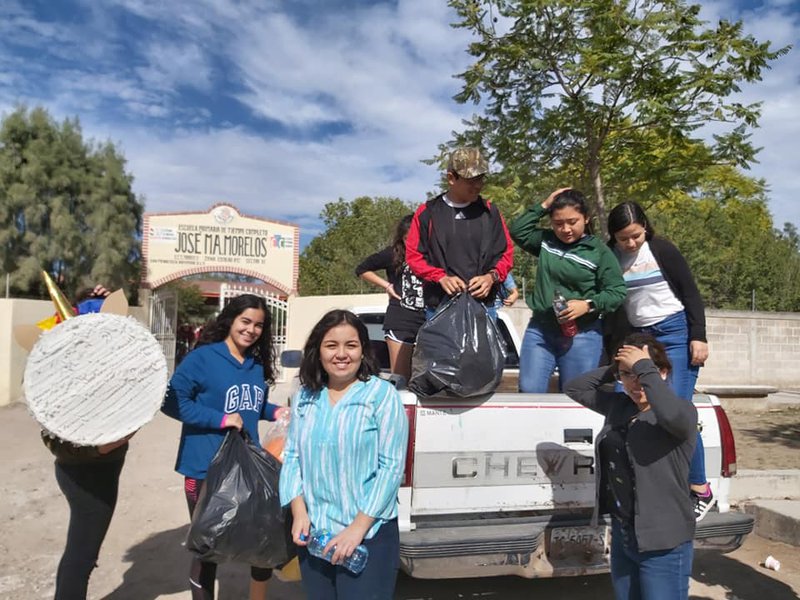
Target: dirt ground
[(143, 557), (766, 439)]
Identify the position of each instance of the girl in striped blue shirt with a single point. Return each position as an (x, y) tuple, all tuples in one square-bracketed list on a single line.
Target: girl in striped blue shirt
[(343, 462)]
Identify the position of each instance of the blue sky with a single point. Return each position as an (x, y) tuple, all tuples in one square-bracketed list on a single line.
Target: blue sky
[(279, 107)]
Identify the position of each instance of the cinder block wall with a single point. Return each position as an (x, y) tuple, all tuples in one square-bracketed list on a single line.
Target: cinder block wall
[(753, 348)]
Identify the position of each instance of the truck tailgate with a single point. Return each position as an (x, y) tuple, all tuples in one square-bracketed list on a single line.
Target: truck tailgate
[(538, 447)]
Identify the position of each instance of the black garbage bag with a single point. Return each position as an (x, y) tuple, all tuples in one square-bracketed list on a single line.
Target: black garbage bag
[(238, 517), (459, 352)]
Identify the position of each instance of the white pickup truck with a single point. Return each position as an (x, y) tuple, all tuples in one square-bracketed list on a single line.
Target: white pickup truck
[(504, 485)]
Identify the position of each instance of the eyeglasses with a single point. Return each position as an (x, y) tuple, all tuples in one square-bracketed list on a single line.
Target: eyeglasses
[(629, 375), (471, 180)]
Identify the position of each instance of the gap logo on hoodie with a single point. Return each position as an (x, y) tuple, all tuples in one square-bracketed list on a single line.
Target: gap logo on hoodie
[(243, 397)]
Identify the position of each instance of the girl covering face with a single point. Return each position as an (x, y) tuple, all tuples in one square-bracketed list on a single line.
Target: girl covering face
[(642, 454)]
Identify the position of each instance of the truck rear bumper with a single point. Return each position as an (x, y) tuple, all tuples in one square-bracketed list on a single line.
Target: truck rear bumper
[(531, 550), (723, 532), (521, 549)]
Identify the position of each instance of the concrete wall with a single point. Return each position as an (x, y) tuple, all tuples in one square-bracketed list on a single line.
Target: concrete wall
[(754, 348), (13, 356)]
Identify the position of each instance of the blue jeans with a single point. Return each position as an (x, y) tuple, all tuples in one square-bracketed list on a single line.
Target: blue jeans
[(324, 581), (673, 332), (543, 350), (655, 575)]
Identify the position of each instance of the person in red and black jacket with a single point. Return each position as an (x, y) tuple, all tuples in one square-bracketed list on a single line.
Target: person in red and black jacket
[(458, 241)]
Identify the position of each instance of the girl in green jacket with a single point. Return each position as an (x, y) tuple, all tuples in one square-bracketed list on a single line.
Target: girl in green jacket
[(578, 266)]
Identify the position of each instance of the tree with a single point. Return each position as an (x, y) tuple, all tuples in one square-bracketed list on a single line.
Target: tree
[(725, 232), (66, 207), (573, 85), (192, 307), (353, 231)]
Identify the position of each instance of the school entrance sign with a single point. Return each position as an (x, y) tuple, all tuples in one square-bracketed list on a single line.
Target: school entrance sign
[(220, 240)]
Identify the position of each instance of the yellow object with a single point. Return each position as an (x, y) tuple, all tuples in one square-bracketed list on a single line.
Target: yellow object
[(63, 307), (290, 571), (48, 323)]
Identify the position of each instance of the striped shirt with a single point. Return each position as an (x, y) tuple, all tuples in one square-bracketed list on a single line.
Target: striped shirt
[(650, 299), (346, 458)]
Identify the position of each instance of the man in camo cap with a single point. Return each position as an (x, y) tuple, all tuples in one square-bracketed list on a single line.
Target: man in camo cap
[(458, 241)]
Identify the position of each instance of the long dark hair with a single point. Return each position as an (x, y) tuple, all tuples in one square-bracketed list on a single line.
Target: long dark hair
[(576, 200), (625, 214), (399, 242), (263, 349), (312, 375)]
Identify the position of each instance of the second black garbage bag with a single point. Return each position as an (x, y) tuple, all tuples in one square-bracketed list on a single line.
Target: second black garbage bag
[(459, 352), (238, 516)]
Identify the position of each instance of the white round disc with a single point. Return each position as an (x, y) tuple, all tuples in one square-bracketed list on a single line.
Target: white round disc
[(95, 378)]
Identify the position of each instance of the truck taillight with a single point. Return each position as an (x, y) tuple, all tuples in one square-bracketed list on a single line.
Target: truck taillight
[(728, 445), (411, 413)]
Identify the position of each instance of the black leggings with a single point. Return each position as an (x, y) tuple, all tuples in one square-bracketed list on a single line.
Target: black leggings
[(202, 574), (91, 491)]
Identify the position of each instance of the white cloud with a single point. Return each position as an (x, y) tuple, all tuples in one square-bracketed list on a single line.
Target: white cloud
[(382, 72), (172, 65)]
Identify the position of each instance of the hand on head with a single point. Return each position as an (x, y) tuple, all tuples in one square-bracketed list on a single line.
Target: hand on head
[(627, 356), (553, 196)]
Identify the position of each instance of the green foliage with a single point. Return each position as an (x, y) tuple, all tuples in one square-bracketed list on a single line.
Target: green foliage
[(353, 231), (192, 306), (725, 232), (570, 87), (66, 206)]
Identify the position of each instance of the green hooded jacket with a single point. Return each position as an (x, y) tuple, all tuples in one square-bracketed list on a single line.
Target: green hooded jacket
[(583, 270)]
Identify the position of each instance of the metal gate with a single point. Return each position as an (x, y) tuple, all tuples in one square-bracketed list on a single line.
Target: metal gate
[(163, 319), (279, 310)]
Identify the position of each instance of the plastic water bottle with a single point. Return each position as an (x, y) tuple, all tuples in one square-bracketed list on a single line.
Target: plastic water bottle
[(357, 560), (568, 328)]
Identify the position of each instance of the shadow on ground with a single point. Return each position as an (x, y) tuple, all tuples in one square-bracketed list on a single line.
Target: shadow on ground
[(159, 566), (714, 569), (786, 434)]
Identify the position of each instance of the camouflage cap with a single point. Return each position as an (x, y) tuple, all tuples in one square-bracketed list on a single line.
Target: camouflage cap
[(467, 163)]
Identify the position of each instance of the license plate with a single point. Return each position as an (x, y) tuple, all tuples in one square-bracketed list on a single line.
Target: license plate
[(578, 540)]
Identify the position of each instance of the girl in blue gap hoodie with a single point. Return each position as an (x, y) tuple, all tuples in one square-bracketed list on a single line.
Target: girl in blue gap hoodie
[(223, 383)]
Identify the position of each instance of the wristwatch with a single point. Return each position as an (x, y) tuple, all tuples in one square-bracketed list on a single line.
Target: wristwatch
[(592, 307), (495, 275)]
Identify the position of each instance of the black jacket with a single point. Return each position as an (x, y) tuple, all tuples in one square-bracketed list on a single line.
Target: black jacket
[(430, 256), (660, 445)]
